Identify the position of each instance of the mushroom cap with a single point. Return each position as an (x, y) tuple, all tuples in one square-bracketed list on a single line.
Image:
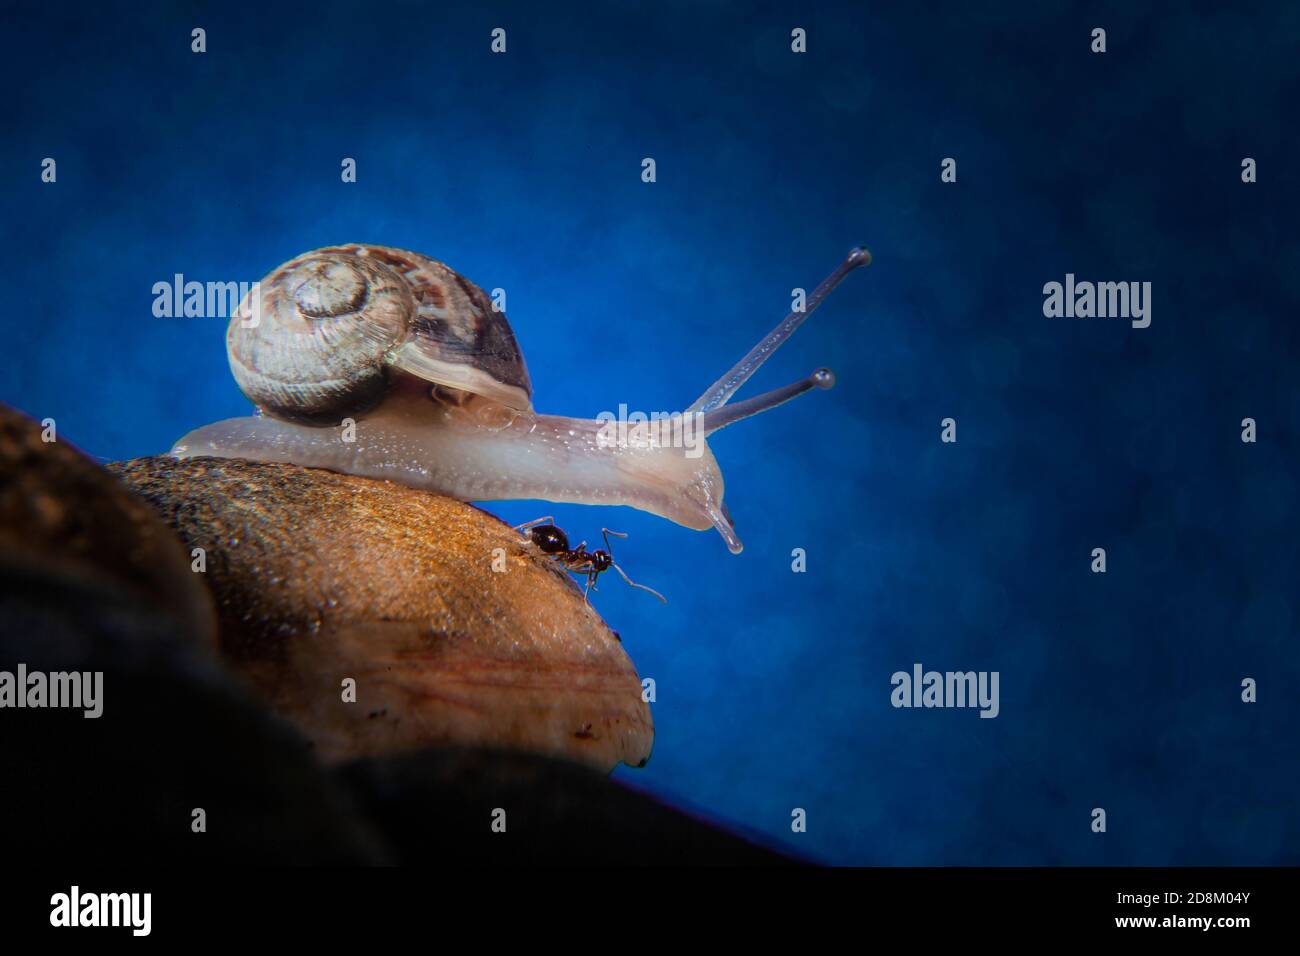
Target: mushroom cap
[(320, 336), (456, 629)]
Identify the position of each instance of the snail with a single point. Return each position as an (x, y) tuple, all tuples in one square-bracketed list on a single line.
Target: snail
[(425, 371)]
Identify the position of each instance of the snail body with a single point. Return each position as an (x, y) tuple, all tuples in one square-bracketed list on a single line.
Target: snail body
[(382, 363)]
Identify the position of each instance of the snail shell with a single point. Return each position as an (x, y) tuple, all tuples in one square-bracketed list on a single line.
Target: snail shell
[(331, 328)]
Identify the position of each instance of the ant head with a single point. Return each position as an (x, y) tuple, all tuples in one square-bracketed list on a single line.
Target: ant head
[(549, 538), (601, 561)]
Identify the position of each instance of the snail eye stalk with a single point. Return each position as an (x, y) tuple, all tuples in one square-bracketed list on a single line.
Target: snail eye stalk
[(721, 417), (720, 392)]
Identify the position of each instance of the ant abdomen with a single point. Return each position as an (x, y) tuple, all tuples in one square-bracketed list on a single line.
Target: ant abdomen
[(549, 538)]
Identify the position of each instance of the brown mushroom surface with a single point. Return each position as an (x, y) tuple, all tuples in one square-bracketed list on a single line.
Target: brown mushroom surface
[(455, 629)]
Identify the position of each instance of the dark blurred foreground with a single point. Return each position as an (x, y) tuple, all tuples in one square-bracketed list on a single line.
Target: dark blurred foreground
[(91, 581)]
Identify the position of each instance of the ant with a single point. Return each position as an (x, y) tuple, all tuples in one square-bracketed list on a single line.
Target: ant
[(553, 541)]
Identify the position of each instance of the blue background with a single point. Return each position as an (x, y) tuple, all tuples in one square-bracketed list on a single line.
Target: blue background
[(522, 171)]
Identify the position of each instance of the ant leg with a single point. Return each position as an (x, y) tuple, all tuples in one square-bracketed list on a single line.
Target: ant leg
[(549, 519)]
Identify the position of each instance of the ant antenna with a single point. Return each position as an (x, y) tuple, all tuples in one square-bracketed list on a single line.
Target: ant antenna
[(641, 586), (608, 547)]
